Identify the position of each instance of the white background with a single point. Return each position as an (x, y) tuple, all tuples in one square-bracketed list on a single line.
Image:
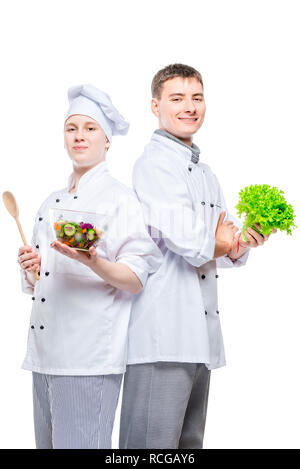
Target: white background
[(248, 54)]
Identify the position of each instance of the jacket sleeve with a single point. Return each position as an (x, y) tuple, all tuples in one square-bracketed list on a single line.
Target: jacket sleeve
[(130, 243), (225, 261), (26, 285), (168, 210)]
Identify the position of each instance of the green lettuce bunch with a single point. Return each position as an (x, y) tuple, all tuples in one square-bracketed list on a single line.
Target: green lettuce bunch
[(267, 206)]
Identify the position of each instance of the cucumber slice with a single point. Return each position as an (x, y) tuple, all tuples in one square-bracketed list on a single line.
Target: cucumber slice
[(69, 229), (91, 235)]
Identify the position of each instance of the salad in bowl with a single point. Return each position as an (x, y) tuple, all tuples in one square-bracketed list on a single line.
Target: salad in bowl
[(78, 229)]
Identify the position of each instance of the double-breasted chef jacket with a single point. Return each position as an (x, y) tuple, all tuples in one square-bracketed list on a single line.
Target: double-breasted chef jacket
[(176, 317), (79, 322)]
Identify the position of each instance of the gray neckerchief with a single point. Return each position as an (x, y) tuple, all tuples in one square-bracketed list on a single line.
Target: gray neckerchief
[(194, 149)]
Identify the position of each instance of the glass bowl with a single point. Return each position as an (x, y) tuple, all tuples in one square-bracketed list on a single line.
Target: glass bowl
[(78, 229)]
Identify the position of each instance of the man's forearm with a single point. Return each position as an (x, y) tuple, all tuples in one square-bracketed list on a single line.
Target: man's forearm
[(221, 248)]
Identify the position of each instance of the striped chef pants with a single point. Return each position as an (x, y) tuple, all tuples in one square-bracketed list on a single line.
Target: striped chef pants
[(73, 412), (164, 405)]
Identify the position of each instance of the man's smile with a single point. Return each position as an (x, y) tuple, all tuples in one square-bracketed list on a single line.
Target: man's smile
[(188, 119)]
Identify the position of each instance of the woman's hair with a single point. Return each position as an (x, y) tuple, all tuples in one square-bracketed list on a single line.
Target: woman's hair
[(172, 71)]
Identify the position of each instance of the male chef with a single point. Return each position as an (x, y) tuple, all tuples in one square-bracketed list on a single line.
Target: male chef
[(175, 337)]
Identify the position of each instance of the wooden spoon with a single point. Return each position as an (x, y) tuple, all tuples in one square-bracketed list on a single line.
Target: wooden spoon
[(12, 207)]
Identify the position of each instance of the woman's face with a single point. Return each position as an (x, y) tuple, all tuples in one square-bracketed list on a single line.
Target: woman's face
[(85, 141)]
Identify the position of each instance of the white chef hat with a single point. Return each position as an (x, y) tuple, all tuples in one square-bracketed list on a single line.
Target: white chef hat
[(89, 101)]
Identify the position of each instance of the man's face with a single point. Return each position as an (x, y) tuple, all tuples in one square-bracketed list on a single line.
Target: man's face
[(85, 140), (181, 108)]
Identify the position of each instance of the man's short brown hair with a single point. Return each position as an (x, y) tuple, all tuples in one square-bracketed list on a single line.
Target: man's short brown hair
[(172, 71)]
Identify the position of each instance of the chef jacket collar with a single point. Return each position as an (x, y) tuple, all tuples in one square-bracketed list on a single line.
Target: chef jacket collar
[(89, 177), (193, 149)]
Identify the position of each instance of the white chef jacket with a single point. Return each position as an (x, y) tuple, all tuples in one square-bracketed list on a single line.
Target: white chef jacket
[(79, 322), (176, 316)]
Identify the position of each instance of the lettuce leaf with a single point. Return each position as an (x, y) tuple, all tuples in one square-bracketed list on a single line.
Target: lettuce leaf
[(267, 206)]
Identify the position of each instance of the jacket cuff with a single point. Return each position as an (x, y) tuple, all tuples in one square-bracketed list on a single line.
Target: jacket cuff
[(225, 261), (208, 248), (137, 270), (26, 286)]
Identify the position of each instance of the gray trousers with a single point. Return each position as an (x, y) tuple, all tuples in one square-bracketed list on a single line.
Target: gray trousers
[(72, 412), (164, 405)]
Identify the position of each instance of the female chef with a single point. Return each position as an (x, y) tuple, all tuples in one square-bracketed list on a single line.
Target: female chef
[(77, 337)]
